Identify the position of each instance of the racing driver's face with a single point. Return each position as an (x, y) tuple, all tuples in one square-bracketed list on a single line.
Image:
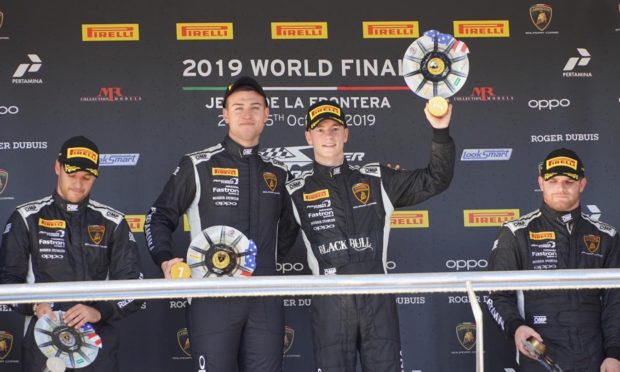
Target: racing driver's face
[(328, 139), (246, 114), (73, 187), (562, 193)]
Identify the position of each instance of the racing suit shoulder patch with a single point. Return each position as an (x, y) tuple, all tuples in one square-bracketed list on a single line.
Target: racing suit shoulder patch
[(601, 226), (275, 162), (106, 211), (522, 222), (297, 183), (33, 207), (371, 169), (206, 154)]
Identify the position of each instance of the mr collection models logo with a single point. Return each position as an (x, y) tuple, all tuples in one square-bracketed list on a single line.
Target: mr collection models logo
[(111, 94)]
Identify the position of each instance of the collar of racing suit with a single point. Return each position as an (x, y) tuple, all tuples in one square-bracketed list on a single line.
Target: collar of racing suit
[(70, 207), (236, 149), (331, 171), (562, 218)]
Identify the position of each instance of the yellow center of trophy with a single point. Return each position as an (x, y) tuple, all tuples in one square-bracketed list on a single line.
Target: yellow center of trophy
[(180, 270), (436, 66), (221, 260)]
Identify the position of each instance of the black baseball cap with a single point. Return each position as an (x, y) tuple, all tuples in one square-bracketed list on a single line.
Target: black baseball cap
[(324, 110), (562, 162), (79, 154), (247, 83)]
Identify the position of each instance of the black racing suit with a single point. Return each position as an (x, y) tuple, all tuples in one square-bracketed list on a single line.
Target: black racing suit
[(50, 240), (579, 327), (344, 213), (230, 185)]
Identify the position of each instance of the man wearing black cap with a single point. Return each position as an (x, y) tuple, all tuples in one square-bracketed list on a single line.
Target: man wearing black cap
[(580, 328), (344, 213), (231, 184), (69, 237)]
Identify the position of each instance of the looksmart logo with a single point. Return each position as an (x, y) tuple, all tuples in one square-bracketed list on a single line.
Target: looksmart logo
[(486, 154)]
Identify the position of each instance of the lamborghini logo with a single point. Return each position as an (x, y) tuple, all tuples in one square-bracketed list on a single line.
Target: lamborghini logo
[(95, 232), (361, 191), (593, 243), (271, 180)]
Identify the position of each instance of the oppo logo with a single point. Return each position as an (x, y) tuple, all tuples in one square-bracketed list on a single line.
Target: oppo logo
[(11, 110), (466, 264), (288, 266), (548, 104)]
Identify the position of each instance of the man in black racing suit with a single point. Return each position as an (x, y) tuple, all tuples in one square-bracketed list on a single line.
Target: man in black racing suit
[(231, 184), (580, 328), (344, 213), (69, 237)]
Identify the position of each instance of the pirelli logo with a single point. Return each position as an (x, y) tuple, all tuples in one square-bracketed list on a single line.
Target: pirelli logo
[(409, 219), (321, 194), (186, 223), (391, 30), (82, 152), (230, 172), (52, 224), (204, 31), (299, 30), (323, 109), (561, 161), (136, 222), (111, 32), (481, 29), (488, 217), (542, 235)]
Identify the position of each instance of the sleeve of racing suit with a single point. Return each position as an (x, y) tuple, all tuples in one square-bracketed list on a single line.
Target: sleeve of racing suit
[(163, 218), (409, 187), (287, 227), (610, 318), (124, 264), (502, 305), (15, 256)]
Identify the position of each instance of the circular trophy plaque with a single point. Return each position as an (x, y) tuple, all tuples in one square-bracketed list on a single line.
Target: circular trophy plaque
[(76, 348), (221, 251), (436, 65)]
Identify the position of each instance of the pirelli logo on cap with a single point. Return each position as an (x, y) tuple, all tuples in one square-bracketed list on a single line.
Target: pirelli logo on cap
[(52, 224), (205, 31), (390, 29), (299, 30), (481, 29), (488, 217), (323, 109), (82, 152), (230, 172), (321, 194), (136, 222), (409, 219), (561, 161), (542, 235), (111, 32)]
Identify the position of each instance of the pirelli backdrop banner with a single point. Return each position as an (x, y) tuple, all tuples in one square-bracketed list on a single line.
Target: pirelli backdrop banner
[(145, 80)]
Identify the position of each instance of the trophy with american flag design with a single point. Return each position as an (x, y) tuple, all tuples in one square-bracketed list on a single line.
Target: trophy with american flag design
[(435, 67)]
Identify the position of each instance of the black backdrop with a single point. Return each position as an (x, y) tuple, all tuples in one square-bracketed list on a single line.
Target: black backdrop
[(148, 101)]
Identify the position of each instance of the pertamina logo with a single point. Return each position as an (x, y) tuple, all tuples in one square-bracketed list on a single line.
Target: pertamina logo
[(299, 30), (230, 172), (52, 224), (481, 28), (409, 219), (111, 32), (574, 63), (542, 235), (390, 29), (321, 194), (205, 31), (488, 217), (82, 152), (136, 222)]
